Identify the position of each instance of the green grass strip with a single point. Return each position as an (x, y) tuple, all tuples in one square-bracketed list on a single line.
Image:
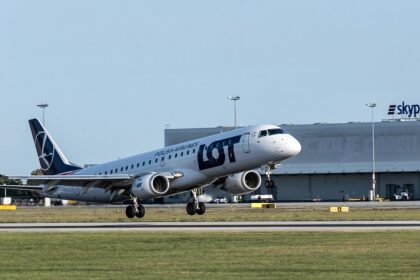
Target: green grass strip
[(197, 255)]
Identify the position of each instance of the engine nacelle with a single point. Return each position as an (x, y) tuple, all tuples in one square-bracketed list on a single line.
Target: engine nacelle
[(150, 186), (242, 183)]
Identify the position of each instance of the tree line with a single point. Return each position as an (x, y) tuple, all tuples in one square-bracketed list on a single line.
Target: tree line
[(4, 180)]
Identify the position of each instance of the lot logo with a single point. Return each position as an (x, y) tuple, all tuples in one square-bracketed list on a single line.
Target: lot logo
[(215, 153), (404, 109)]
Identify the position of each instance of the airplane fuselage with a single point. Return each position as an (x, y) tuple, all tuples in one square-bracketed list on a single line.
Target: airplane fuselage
[(200, 162)]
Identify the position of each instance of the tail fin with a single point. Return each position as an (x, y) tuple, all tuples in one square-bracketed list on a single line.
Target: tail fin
[(50, 156)]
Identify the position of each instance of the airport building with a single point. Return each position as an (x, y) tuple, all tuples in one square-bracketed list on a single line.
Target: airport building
[(336, 161)]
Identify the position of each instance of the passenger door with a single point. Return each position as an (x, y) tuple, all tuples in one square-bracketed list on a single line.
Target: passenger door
[(245, 143)]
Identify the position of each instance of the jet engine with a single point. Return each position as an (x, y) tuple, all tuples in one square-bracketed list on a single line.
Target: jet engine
[(150, 186), (242, 183)]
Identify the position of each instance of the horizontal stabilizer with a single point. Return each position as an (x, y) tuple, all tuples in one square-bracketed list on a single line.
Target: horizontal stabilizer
[(23, 187)]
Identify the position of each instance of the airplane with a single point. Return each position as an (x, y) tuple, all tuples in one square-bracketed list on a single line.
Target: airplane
[(228, 159)]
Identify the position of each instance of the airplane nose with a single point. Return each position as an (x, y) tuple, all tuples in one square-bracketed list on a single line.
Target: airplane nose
[(294, 147)]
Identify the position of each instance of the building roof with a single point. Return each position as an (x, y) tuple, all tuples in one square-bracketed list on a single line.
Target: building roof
[(339, 148)]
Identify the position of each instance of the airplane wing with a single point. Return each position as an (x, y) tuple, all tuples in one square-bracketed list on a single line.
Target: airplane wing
[(108, 182), (97, 181)]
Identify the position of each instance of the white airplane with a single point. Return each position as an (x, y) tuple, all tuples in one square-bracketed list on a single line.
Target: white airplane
[(228, 159)]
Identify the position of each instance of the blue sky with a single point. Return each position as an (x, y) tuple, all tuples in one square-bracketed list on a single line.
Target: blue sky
[(115, 73)]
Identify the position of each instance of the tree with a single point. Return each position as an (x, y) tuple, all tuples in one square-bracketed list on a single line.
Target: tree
[(37, 172), (4, 180)]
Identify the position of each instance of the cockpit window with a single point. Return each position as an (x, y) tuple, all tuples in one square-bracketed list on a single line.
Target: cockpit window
[(275, 131), (263, 133)]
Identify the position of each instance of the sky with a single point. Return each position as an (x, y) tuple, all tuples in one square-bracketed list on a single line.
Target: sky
[(116, 73)]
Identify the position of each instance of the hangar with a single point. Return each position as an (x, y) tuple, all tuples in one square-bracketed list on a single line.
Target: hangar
[(336, 160)]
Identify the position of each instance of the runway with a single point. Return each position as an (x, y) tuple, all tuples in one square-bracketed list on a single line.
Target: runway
[(213, 226)]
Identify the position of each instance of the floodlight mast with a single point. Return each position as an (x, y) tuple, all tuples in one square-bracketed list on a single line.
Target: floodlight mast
[(43, 106), (47, 201), (372, 105), (234, 99)]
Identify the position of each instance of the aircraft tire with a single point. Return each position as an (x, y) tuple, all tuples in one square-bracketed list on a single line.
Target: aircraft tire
[(140, 211), (201, 208), (269, 184), (191, 209), (130, 211)]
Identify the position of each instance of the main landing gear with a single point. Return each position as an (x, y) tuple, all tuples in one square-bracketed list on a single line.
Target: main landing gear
[(195, 207), (135, 210)]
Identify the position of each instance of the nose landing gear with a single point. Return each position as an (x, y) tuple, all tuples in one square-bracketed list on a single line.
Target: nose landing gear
[(135, 210), (268, 172), (195, 207)]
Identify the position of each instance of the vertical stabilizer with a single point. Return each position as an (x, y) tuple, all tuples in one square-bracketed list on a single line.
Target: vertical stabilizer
[(51, 158)]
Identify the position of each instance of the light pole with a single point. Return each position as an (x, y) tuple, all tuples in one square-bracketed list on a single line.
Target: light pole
[(43, 106), (234, 99), (47, 200), (372, 105)]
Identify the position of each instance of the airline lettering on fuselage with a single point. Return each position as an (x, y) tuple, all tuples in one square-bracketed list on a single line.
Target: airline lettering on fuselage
[(219, 145)]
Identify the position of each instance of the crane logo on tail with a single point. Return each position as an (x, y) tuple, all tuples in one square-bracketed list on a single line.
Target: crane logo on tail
[(46, 150)]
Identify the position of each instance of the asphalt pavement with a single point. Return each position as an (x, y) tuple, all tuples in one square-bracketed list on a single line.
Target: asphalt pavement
[(213, 226)]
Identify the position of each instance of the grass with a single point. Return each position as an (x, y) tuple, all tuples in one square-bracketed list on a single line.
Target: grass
[(177, 255), (104, 214)]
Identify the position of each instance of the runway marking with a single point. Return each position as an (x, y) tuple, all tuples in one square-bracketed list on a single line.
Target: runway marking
[(214, 226)]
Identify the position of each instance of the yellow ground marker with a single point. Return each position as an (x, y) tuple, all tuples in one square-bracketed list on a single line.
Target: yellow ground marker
[(263, 205), (342, 209), (8, 207)]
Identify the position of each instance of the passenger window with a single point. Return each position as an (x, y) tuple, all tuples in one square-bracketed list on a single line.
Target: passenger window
[(162, 159), (100, 173), (126, 167), (263, 133), (194, 151), (182, 154), (176, 155), (188, 152), (106, 172), (116, 170), (111, 172), (144, 163), (170, 156), (132, 166), (122, 169), (150, 162), (138, 165), (156, 160)]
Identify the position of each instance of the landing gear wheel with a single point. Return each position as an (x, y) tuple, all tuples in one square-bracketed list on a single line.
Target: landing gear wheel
[(130, 211), (201, 208), (269, 171), (191, 210), (269, 184), (140, 211), (195, 207)]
